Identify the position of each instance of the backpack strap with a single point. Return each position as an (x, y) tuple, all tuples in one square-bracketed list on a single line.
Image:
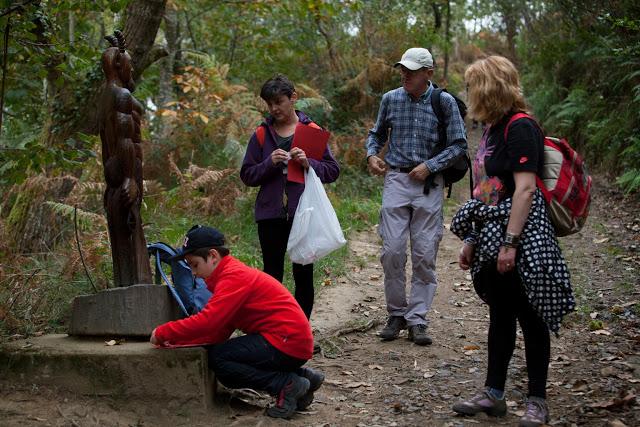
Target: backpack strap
[(470, 166), (539, 182), (157, 249), (515, 117), (436, 104), (169, 285), (260, 132)]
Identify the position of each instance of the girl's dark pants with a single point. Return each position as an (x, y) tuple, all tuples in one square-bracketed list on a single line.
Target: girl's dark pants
[(508, 303), (274, 235)]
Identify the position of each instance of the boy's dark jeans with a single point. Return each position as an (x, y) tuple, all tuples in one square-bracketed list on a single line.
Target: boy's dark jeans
[(250, 361), (274, 236)]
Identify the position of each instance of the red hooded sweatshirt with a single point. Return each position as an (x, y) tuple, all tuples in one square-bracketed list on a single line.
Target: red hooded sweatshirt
[(247, 299)]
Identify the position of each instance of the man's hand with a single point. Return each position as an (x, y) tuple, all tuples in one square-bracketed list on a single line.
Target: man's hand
[(420, 172), (153, 339), (279, 156), (300, 156), (377, 166), (465, 257)]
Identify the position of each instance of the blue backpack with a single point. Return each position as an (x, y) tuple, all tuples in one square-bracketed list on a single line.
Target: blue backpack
[(190, 293)]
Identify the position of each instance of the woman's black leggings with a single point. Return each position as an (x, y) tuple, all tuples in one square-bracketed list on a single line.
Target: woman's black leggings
[(508, 303), (274, 235)]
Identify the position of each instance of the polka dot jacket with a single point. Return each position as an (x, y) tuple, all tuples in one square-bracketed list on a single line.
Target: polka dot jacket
[(539, 262)]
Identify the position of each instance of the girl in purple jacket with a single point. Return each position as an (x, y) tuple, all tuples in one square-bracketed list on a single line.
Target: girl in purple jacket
[(265, 166)]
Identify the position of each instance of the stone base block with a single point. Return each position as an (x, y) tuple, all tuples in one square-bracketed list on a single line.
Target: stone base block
[(128, 311), (132, 370)]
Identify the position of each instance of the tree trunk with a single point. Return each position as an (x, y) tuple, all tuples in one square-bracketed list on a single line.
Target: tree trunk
[(72, 28), (166, 92), (509, 13), (5, 49), (447, 41), (510, 22), (437, 16)]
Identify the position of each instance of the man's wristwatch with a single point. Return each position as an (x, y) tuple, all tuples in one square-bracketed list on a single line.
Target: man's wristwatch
[(511, 240)]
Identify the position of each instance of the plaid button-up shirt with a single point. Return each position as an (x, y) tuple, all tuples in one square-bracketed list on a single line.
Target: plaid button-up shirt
[(414, 131)]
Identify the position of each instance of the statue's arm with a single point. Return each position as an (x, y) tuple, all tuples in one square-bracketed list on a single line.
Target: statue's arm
[(126, 152)]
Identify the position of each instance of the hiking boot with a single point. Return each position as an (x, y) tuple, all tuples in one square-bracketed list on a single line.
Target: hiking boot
[(481, 402), (418, 334), (316, 378), (537, 413), (287, 398), (394, 325)]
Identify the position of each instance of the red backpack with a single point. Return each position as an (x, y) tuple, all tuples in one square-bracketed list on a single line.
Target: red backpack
[(565, 183)]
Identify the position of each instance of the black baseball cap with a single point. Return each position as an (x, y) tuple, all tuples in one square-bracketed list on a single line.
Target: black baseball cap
[(198, 237)]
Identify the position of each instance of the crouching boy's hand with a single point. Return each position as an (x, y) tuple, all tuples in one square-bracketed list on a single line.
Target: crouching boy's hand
[(153, 338)]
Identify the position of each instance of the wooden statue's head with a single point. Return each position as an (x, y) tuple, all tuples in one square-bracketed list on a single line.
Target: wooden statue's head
[(116, 62)]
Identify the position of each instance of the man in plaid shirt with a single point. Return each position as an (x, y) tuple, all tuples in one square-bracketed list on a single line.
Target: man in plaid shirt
[(411, 207)]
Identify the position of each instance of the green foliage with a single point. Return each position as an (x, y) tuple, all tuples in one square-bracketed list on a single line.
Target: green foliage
[(630, 180), (85, 220), (42, 58), (318, 109), (581, 72)]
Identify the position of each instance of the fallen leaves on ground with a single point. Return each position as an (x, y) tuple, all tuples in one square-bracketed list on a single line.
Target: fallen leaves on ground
[(616, 403)]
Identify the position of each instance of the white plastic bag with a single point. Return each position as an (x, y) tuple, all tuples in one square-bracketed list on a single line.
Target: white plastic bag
[(315, 230)]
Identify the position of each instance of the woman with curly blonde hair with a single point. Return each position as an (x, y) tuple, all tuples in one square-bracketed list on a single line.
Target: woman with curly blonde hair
[(509, 242)]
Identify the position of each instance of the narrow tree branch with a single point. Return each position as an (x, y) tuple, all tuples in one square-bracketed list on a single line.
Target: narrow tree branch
[(154, 54), (75, 227), (188, 22)]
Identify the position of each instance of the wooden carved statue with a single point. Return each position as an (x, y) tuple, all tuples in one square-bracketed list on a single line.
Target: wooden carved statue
[(119, 116)]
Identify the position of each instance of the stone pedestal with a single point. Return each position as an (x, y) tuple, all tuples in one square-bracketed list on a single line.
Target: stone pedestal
[(120, 312), (178, 379)]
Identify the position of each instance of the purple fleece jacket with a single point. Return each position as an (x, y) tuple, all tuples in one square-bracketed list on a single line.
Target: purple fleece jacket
[(259, 171)]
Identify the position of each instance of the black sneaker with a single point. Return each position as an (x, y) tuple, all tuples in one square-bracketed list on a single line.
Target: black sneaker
[(418, 334), (316, 378), (287, 399), (394, 325)]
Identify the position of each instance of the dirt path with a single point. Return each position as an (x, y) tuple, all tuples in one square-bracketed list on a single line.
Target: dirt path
[(594, 373)]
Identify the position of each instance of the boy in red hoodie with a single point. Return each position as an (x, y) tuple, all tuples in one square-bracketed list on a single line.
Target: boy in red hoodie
[(278, 338)]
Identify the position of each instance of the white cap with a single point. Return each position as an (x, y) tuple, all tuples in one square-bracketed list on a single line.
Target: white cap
[(416, 58)]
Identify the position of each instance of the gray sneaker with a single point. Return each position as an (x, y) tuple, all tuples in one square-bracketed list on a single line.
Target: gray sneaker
[(394, 325), (537, 413), (481, 402), (418, 334), (316, 378), (287, 399)]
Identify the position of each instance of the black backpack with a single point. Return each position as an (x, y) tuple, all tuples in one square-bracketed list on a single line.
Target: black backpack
[(459, 169)]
